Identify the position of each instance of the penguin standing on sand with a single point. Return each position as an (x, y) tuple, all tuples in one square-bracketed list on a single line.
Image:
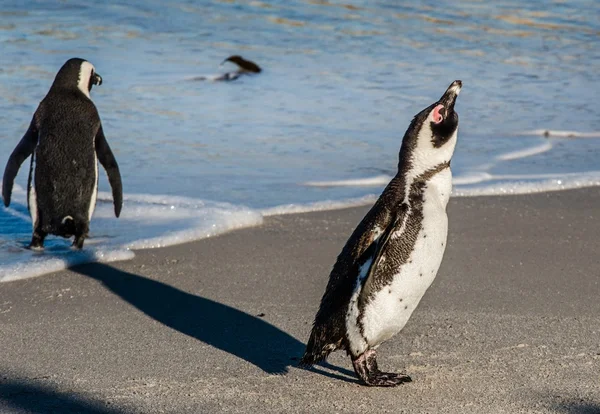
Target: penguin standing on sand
[(65, 141), (394, 254)]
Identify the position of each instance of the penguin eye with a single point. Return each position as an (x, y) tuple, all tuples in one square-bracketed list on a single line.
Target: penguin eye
[(438, 114)]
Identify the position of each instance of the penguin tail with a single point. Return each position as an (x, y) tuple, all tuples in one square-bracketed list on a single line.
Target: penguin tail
[(317, 350), (71, 227), (67, 226)]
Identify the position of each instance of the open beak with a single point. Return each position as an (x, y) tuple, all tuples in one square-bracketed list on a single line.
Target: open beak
[(448, 99)]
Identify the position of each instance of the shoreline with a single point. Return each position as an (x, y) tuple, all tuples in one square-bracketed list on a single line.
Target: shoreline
[(217, 325), (118, 254)]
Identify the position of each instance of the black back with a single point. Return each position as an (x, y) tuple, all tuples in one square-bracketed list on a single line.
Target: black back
[(65, 160)]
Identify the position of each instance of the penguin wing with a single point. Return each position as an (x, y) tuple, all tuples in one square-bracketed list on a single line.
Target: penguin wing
[(23, 150), (329, 329), (379, 247), (108, 161)]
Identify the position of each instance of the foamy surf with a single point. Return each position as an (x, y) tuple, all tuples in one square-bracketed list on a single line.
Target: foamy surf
[(561, 134), (356, 182), (526, 152), (147, 221), (528, 184), (151, 221), (319, 206), (470, 184)]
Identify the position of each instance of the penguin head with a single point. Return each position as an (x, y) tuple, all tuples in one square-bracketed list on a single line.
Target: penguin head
[(77, 73), (431, 136), (243, 64)]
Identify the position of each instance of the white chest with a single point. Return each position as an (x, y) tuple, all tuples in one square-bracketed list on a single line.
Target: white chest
[(390, 308)]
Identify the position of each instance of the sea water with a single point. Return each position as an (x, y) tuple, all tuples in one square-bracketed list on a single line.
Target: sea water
[(319, 128)]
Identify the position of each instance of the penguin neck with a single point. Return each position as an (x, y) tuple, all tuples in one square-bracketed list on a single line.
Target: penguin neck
[(83, 80), (421, 162)]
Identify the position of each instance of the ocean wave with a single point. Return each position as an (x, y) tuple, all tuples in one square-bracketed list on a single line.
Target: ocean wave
[(528, 184), (561, 134), (352, 182), (527, 152), (151, 221), (147, 221), (319, 206)]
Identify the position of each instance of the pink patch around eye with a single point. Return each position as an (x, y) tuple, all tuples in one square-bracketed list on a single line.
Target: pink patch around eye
[(437, 116)]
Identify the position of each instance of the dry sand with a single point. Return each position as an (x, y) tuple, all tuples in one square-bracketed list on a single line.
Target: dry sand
[(511, 324)]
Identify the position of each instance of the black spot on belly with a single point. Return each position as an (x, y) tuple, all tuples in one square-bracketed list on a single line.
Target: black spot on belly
[(424, 236), (421, 274), (406, 307), (390, 291), (400, 299)]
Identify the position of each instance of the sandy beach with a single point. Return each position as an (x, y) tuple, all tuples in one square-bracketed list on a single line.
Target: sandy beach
[(510, 325)]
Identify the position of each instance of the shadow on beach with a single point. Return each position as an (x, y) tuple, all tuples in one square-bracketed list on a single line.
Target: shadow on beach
[(226, 328), (577, 406), (34, 397)]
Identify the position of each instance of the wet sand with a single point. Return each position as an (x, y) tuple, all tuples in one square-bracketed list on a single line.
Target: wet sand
[(510, 325)]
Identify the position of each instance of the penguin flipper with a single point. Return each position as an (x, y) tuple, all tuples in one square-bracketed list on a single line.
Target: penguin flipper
[(23, 150), (368, 281), (329, 328), (108, 161)]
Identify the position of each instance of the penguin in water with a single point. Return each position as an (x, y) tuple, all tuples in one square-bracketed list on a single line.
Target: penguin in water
[(394, 254), (65, 140), (245, 67)]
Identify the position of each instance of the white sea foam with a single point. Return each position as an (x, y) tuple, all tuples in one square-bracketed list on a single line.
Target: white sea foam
[(37, 263), (319, 206), (526, 152), (527, 184), (147, 221), (207, 78), (375, 181), (150, 221), (471, 178), (561, 134)]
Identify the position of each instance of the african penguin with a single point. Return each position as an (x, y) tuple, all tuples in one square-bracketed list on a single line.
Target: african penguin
[(394, 254), (65, 140)]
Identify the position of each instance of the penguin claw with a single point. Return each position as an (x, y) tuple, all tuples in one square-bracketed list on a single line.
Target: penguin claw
[(365, 366), (387, 379)]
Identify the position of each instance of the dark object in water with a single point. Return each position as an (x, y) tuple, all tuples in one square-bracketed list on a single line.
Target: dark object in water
[(244, 65)]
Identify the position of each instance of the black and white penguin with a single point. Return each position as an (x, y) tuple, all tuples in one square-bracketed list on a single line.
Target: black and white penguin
[(66, 141), (394, 254)]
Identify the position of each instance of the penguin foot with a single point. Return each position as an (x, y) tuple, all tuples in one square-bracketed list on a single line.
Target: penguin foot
[(387, 379), (37, 241), (367, 370), (78, 243)]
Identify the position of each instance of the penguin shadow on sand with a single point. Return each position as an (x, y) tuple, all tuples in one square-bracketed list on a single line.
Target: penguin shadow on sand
[(33, 396), (231, 330)]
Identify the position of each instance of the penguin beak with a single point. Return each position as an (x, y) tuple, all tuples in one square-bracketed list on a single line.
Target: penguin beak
[(96, 79), (448, 99)]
